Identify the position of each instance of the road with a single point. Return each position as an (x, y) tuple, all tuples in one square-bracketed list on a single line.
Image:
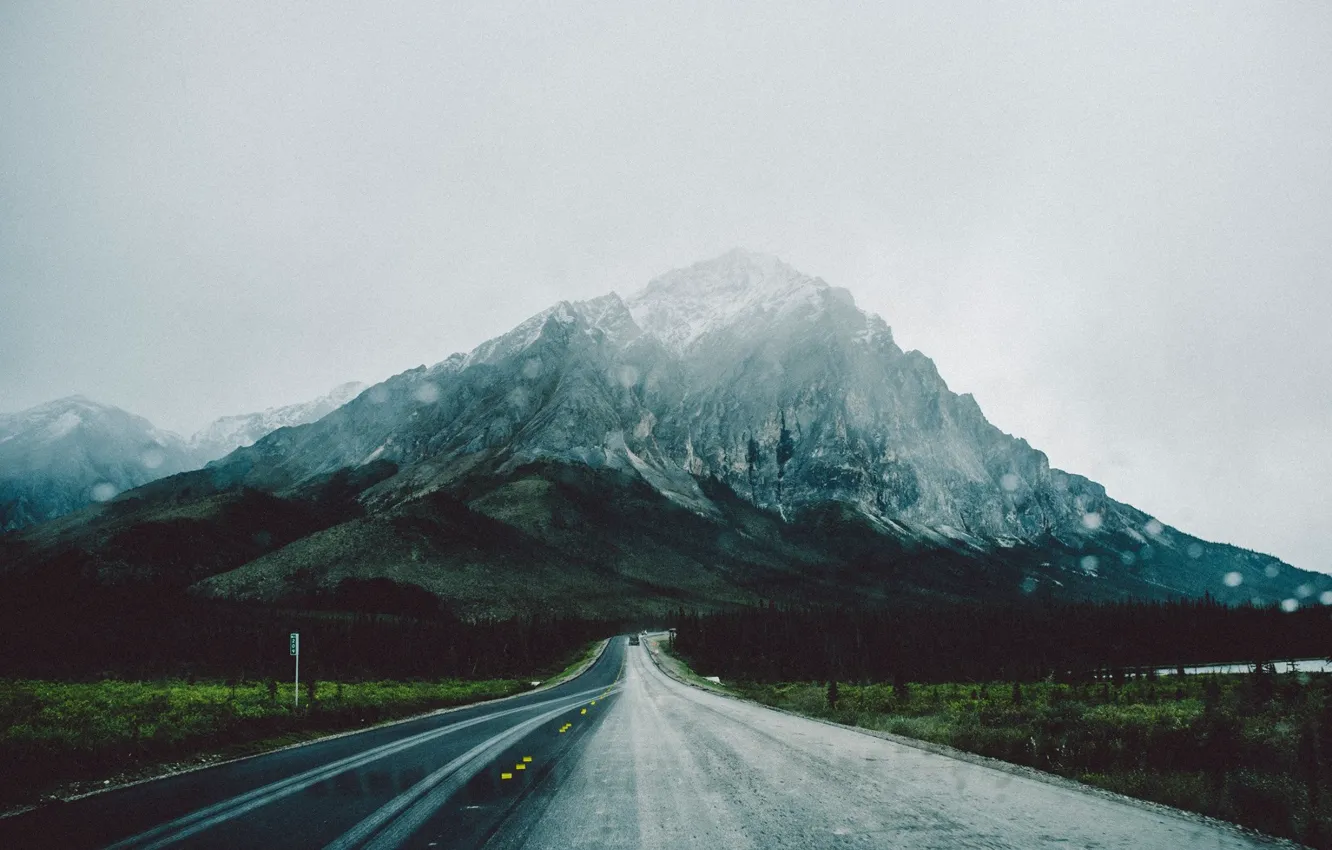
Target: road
[(360, 790), (652, 763), (674, 766)]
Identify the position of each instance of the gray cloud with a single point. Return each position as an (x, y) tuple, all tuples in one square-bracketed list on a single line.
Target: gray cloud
[(1110, 224)]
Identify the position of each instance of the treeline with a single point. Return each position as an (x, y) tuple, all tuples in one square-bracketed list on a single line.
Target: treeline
[(135, 633), (975, 642)]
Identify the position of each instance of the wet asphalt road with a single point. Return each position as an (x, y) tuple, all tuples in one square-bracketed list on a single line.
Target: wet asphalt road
[(621, 757), (355, 790)]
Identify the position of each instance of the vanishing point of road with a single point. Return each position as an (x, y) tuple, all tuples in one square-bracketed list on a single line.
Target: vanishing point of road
[(620, 757)]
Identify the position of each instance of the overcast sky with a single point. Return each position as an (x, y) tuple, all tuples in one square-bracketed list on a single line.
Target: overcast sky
[(1111, 223)]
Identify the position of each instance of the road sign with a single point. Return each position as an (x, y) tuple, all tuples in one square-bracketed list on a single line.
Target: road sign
[(296, 651)]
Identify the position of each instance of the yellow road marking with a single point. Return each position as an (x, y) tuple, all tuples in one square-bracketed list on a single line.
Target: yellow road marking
[(527, 758), (584, 711), (506, 776), (520, 766)]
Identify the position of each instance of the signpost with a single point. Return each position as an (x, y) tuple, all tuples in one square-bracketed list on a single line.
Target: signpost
[(296, 651)]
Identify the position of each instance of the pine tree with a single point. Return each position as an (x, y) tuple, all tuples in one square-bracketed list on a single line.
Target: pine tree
[(1306, 756), (1324, 736), (901, 690)]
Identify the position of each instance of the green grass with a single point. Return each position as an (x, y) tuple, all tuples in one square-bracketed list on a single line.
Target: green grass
[(1257, 753), (679, 668), (56, 737)]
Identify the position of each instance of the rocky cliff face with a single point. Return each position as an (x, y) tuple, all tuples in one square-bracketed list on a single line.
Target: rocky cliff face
[(72, 452), (797, 397), (744, 370)]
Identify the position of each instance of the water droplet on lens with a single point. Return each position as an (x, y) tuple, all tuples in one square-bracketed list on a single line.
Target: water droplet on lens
[(1272, 571), (1009, 482), (1092, 521), (1289, 605), (1154, 527), (627, 375), (1233, 579), (427, 393), (103, 491), (1195, 550)]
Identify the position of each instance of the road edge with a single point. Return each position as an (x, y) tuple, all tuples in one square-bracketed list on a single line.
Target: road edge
[(998, 764), (567, 676)]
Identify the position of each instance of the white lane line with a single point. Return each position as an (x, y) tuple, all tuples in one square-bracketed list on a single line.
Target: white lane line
[(412, 808), (210, 816)]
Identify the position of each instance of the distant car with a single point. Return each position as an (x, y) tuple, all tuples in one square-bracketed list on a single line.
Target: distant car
[(633, 640)]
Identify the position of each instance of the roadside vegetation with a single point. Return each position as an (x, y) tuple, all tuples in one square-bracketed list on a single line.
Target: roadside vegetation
[(110, 675), (64, 737), (1254, 749), (1248, 749)]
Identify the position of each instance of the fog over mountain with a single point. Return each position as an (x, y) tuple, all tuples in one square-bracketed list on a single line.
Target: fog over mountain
[(735, 430), (1108, 223), (230, 432), (61, 456), (71, 452), (743, 371)]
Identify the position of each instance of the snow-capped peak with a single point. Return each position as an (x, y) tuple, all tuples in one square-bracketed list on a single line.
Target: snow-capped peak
[(61, 417), (605, 313), (686, 304), (62, 455), (231, 432)]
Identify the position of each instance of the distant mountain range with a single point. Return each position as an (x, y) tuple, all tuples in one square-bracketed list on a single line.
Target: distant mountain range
[(61, 456), (734, 431), (232, 432), (66, 454)]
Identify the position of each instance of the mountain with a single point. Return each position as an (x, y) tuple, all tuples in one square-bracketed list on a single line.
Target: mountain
[(231, 432), (66, 454), (734, 431), (72, 452)]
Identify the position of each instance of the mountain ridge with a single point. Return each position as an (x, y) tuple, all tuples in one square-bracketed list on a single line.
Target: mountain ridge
[(61, 455), (226, 433), (771, 381), (72, 451), (736, 378)]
